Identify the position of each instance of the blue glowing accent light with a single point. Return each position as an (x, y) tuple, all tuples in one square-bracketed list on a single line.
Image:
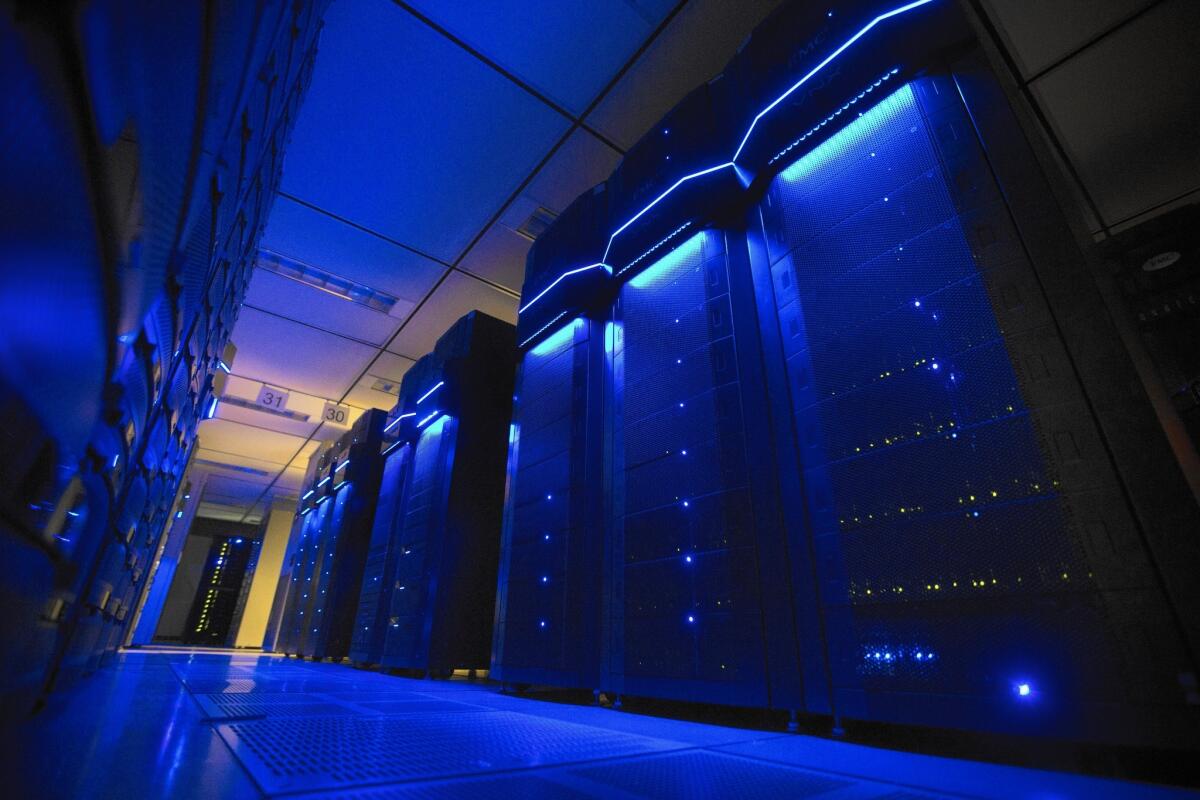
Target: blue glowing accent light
[(824, 63), (542, 623), (324, 481), (666, 269), (435, 387), (396, 421), (427, 419), (178, 515), (302, 513), (746, 138), (393, 447), (115, 460), (691, 618), (687, 559), (342, 466), (539, 331), (337, 486), (663, 196), (212, 408), (545, 579), (558, 339), (1024, 690), (308, 494), (561, 278), (237, 540), (224, 367)]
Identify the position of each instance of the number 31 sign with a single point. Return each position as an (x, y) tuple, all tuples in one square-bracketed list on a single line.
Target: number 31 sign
[(272, 398)]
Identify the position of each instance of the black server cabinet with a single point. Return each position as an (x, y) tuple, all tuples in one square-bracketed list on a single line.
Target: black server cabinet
[(309, 518), (872, 445), (375, 599), (697, 602), (339, 550), (548, 604), (454, 408)]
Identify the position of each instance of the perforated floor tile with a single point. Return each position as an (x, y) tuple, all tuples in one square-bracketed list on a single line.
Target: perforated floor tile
[(225, 706), (419, 706), (694, 774), (311, 753)]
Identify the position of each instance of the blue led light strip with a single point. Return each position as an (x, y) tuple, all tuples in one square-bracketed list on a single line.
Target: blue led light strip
[(425, 396), (534, 335), (393, 447), (396, 421), (342, 466), (337, 486), (741, 146), (895, 12), (431, 416), (560, 278), (660, 243), (323, 481), (845, 107), (308, 494), (662, 196)]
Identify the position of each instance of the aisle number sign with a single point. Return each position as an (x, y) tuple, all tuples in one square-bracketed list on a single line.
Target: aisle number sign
[(270, 397), (333, 414)]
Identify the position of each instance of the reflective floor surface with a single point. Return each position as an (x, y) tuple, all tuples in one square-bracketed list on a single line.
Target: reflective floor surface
[(183, 725)]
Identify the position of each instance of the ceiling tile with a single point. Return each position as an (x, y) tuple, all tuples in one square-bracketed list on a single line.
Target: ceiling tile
[(303, 303), (581, 163), (292, 356), (541, 43), (1043, 32), (458, 295), (363, 395), (404, 132), (499, 257), (230, 437), (300, 233), (236, 459), (390, 366), (1133, 146), (695, 47)]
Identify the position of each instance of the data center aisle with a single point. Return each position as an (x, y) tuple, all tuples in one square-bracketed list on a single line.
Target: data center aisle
[(181, 725)]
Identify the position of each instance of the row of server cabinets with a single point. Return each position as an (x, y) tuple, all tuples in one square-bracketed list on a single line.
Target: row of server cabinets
[(818, 409), (143, 143), (397, 531)]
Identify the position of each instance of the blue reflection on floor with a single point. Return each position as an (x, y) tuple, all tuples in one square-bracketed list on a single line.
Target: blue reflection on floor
[(181, 725)]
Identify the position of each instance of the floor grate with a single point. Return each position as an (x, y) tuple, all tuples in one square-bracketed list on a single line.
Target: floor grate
[(311, 753)]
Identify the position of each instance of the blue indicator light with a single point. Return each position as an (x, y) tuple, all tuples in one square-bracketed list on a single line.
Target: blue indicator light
[(308, 494), (324, 481), (178, 515), (435, 387), (916, 303), (1024, 690), (72, 514), (685, 504), (542, 624), (396, 421), (545, 579), (662, 196), (934, 366), (683, 452), (549, 497), (237, 540), (560, 278), (691, 618), (688, 559), (546, 537)]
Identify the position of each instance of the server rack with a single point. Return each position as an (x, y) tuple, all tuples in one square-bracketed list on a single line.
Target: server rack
[(306, 527), (454, 409), (964, 532), (551, 574), (375, 598), (337, 549), (104, 388)]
